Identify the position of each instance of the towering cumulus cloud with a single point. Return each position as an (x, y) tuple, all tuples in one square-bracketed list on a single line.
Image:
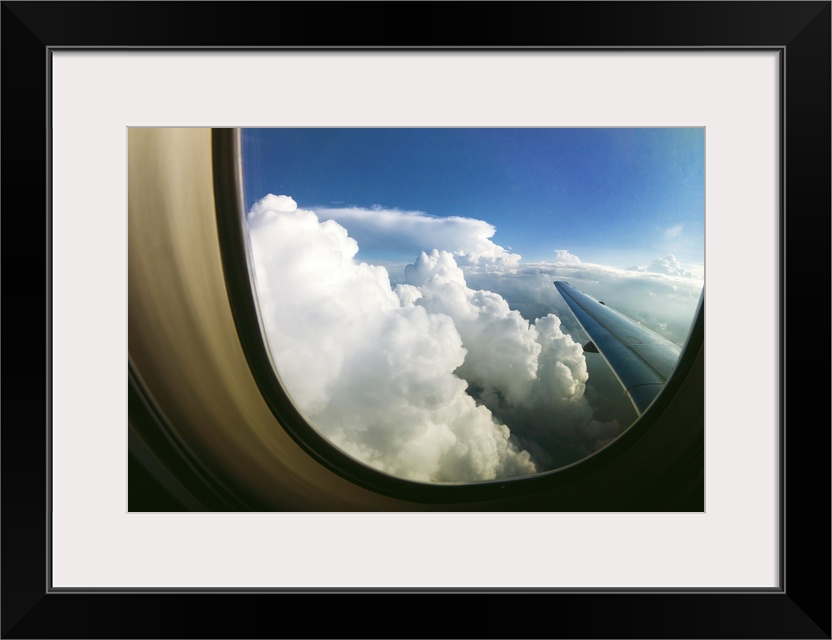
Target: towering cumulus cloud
[(372, 368), (532, 376)]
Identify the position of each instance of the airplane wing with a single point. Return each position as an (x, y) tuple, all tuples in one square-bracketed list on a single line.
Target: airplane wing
[(641, 359)]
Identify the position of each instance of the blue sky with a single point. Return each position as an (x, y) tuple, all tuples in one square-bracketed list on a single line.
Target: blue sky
[(620, 197)]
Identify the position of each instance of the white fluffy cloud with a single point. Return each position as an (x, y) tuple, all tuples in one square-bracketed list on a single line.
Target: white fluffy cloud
[(502, 346), (373, 371), (668, 265), (411, 232), (564, 256)]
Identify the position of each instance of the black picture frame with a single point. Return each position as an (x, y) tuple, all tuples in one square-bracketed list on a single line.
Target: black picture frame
[(800, 31)]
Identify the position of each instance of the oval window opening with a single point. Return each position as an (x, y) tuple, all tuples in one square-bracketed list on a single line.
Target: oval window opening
[(465, 305)]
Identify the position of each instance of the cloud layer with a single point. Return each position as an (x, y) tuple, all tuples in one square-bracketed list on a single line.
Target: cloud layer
[(470, 369), (411, 232), (663, 302)]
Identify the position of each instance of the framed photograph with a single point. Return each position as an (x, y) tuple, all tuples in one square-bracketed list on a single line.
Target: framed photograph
[(412, 353), (235, 470)]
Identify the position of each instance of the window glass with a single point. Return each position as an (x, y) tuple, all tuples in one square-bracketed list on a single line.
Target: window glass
[(406, 283)]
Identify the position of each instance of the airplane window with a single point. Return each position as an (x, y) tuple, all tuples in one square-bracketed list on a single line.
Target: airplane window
[(463, 305)]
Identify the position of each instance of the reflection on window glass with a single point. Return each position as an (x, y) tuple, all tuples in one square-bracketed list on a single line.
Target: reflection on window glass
[(405, 279)]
